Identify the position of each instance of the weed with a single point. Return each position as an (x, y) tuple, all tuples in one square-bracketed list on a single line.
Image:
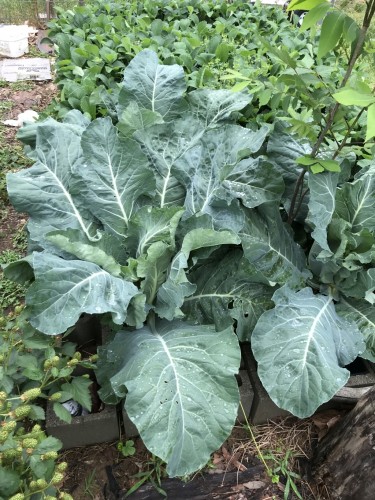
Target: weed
[(279, 467), (89, 481), (154, 474), (5, 106), (20, 240), (11, 293), (17, 86), (126, 449)]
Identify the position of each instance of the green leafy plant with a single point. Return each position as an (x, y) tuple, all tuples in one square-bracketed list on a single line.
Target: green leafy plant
[(280, 467), (126, 449), (174, 226), (236, 45), (34, 369), (154, 474)]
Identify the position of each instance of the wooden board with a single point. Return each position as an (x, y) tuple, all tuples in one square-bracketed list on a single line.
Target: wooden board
[(209, 486)]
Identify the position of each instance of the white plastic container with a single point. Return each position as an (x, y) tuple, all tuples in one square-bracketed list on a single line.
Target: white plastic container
[(14, 40)]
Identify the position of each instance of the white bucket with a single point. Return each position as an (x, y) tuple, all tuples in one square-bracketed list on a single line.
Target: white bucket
[(14, 40)]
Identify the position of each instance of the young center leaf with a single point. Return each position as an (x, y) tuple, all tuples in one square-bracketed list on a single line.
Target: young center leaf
[(322, 205), (362, 314)]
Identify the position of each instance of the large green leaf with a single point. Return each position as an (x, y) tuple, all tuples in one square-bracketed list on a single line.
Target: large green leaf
[(362, 314), (164, 144), (322, 205), (50, 191), (301, 346), (180, 389), (64, 289), (269, 246), (228, 290), (151, 85), (254, 181), (355, 201), (116, 172)]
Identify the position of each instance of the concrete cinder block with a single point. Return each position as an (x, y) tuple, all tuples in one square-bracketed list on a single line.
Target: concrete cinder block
[(246, 397), (86, 430), (129, 428)]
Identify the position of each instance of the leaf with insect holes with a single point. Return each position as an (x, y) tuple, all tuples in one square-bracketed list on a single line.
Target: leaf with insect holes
[(301, 346), (183, 409)]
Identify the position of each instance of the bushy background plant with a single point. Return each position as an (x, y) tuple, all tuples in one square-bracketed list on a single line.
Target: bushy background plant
[(35, 369), (235, 45)]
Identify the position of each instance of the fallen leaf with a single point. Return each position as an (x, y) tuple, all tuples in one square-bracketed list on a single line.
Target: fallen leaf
[(254, 485)]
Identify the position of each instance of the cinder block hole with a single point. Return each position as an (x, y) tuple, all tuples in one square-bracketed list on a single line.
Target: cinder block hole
[(358, 367)]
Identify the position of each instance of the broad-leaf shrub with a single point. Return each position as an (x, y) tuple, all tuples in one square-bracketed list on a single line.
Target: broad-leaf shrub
[(172, 225)]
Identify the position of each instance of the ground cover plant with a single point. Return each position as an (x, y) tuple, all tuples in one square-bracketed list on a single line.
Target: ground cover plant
[(34, 369), (220, 45)]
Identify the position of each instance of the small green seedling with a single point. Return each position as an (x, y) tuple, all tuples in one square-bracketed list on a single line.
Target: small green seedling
[(127, 449)]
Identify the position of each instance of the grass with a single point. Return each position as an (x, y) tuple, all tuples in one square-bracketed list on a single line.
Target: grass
[(11, 158), (19, 11), (17, 86)]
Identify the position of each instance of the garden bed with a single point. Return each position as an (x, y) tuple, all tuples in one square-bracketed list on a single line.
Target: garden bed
[(208, 218)]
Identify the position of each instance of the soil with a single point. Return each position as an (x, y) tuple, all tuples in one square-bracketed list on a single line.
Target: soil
[(37, 98), (101, 472)]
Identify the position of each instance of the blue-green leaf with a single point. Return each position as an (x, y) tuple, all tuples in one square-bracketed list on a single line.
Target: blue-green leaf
[(183, 408), (301, 346), (64, 289)]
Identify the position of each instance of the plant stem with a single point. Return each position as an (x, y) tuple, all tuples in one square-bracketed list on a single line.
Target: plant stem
[(260, 454), (347, 135), (299, 184)]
